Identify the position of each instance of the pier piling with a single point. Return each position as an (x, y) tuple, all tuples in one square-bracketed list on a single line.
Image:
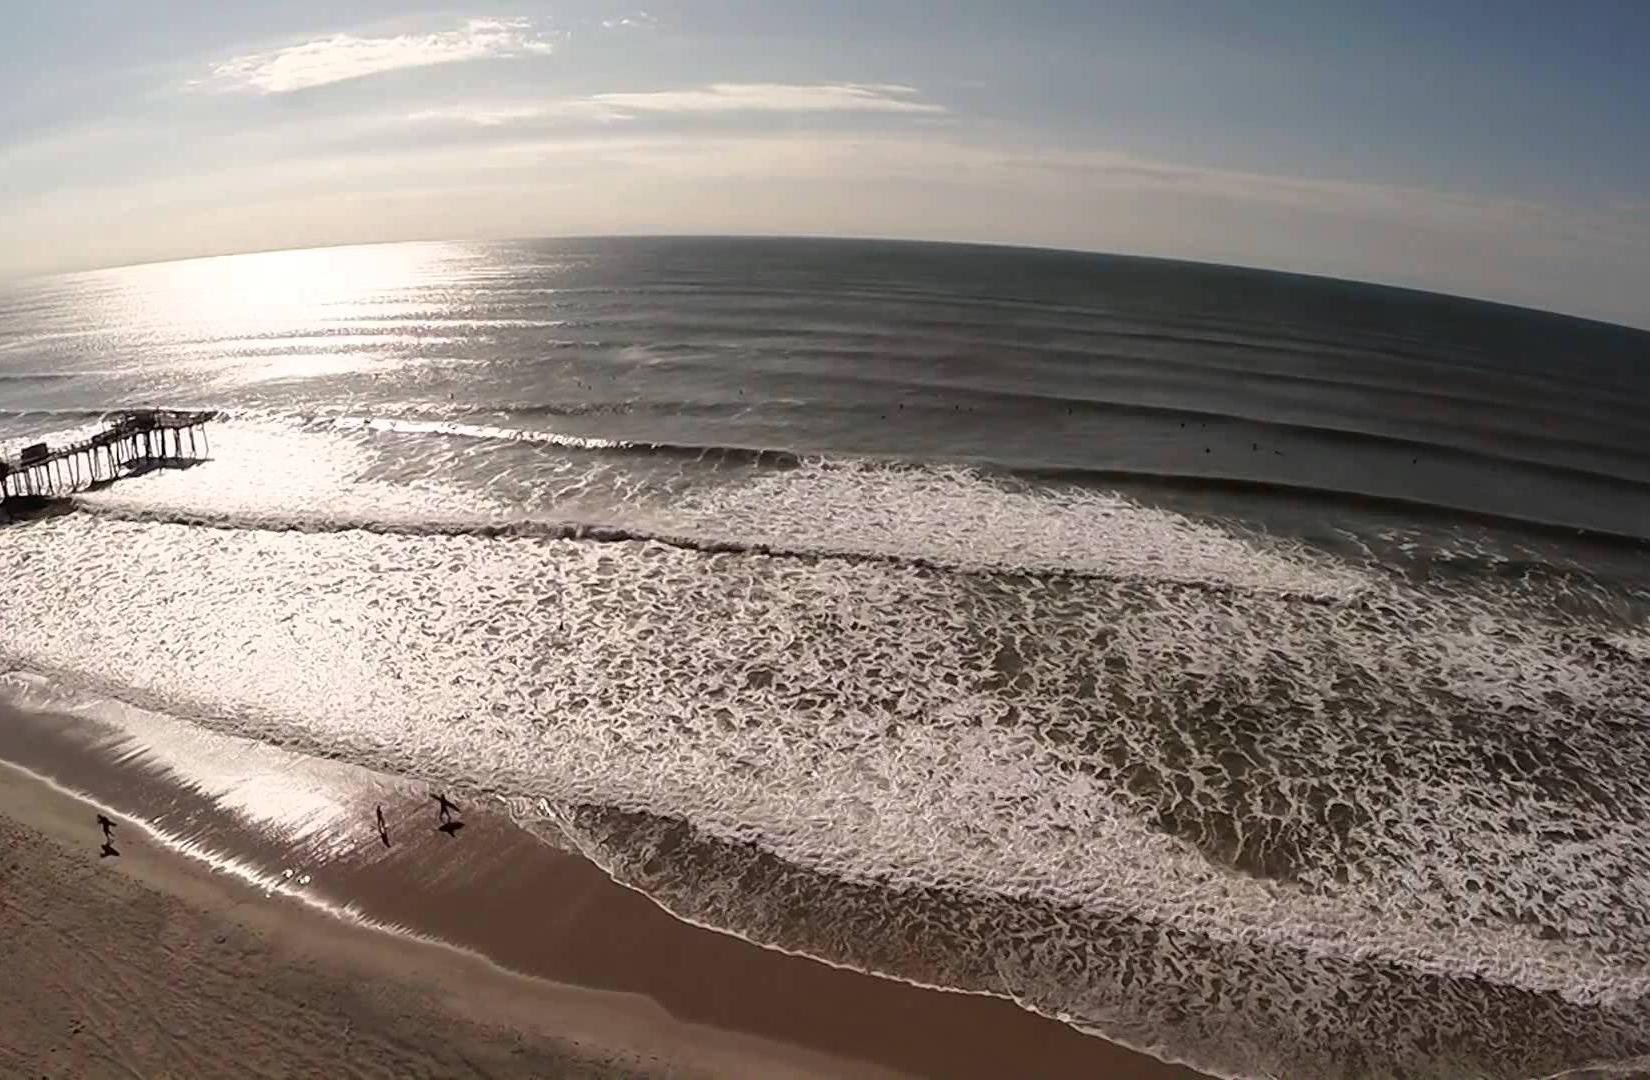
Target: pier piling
[(130, 442)]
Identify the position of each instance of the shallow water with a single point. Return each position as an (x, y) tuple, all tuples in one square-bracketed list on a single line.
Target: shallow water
[(1246, 667)]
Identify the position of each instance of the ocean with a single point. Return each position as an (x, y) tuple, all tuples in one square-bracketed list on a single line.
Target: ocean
[(1249, 668)]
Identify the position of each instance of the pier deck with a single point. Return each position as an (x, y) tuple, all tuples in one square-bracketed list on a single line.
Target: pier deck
[(130, 442)]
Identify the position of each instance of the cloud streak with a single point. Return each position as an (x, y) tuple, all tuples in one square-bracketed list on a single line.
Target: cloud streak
[(717, 98), (774, 97), (342, 57), (641, 20), (495, 116)]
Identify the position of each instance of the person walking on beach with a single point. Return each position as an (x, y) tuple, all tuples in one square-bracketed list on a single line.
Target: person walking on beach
[(446, 808), (383, 827), (107, 826)]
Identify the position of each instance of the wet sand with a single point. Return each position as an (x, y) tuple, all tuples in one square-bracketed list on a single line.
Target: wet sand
[(615, 981), (160, 968)]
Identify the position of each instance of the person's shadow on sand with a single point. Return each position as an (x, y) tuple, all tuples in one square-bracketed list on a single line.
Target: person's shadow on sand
[(108, 826), (450, 828)]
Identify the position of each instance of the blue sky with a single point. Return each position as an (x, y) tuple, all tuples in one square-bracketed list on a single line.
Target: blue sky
[(1498, 150)]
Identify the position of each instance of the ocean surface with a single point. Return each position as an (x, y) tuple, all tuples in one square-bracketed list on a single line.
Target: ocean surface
[(1249, 668)]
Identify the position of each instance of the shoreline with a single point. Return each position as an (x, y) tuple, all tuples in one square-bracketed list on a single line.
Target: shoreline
[(293, 974), (296, 836)]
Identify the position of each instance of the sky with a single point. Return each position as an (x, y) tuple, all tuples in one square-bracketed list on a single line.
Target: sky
[(1491, 149)]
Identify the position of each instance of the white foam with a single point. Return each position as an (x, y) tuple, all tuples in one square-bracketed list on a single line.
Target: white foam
[(1449, 786)]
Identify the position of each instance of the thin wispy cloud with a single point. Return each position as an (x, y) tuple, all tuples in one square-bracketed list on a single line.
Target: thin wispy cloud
[(341, 57), (716, 98), (641, 20), (504, 115), (774, 97)]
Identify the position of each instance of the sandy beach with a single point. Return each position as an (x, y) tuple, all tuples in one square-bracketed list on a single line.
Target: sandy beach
[(160, 969), (256, 923)]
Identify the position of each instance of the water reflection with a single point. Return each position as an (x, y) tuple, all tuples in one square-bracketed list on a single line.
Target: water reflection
[(197, 327), (276, 291), (315, 809)]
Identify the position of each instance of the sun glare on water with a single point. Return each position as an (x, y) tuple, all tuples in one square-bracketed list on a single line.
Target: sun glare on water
[(276, 287), (247, 304)]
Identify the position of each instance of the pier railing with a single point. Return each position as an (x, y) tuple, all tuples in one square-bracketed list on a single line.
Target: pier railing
[(130, 442)]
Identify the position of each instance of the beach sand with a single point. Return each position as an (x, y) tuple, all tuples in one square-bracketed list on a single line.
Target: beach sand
[(159, 969), (255, 923)]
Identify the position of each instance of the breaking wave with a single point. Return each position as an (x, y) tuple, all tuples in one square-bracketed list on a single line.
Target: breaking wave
[(1197, 789)]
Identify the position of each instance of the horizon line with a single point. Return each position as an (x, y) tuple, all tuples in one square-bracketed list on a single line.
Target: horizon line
[(1261, 268)]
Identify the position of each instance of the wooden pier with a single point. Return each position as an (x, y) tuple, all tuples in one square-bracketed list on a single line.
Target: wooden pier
[(130, 442)]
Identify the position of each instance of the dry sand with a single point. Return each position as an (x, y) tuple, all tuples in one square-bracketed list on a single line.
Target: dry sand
[(159, 963)]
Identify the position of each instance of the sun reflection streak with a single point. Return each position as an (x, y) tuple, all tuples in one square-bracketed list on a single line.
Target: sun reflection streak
[(314, 810), (290, 883), (270, 296), (276, 286)]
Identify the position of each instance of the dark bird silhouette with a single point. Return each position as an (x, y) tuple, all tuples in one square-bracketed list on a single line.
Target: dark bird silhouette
[(383, 828), (445, 806), (107, 826)]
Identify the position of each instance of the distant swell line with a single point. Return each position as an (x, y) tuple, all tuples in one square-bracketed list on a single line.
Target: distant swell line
[(782, 458), (778, 458), (1399, 444), (462, 430), (617, 534), (49, 415), (38, 376), (1341, 496)]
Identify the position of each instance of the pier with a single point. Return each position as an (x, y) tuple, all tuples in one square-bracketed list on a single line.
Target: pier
[(130, 443)]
